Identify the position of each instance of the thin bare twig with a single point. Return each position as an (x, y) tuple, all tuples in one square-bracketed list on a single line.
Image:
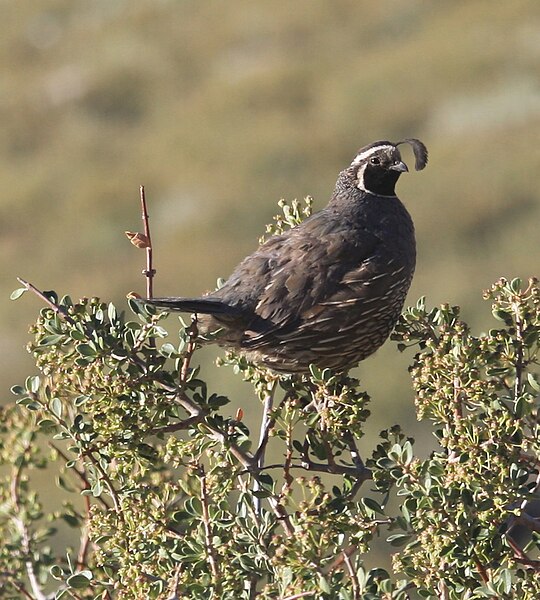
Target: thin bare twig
[(84, 542), (287, 477), (442, 588), (264, 433), (521, 557), (359, 470), (266, 424), (519, 353), (210, 550), (481, 569), (355, 454), (179, 426), (296, 596), (253, 587), (20, 588), (57, 308), (363, 473), (334, 469), (80, 474), (194, 410), (175, 584), (193, 334), (149, 272), (347, 552), (282, 515), (352, 575), (23, 529), (107, 479)]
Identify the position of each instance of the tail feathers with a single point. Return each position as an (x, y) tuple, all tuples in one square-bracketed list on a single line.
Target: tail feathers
[(209, 306)]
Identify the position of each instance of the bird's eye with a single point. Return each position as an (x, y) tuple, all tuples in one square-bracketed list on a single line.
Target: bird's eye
[(375, 161)]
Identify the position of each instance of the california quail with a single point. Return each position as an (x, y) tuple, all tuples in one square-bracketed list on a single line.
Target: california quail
[(330, 290)]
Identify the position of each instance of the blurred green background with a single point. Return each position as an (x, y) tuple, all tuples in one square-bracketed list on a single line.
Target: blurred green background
[(222, 108)]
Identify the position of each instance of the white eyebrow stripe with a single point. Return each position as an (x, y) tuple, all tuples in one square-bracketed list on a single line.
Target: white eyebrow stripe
[(363, 155)]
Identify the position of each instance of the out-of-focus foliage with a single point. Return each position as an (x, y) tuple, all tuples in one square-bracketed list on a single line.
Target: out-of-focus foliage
[(179, 501)]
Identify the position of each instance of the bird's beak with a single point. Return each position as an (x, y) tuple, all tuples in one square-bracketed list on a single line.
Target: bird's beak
[(399, 166)]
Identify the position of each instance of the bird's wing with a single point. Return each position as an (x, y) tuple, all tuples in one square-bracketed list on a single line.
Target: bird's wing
[(296, 273)]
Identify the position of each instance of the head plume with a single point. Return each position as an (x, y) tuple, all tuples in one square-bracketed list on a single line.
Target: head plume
[(420, 152)]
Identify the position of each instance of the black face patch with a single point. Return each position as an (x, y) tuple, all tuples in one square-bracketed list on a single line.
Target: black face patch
[(374, 171), (379, 179)]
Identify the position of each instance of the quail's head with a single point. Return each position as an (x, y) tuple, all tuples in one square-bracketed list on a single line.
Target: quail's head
[(377, 167)]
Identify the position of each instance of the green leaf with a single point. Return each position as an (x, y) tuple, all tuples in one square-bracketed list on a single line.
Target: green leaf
[(86, 350), (395, 453), (501, 315), (399, 539), (181, 515), (521, 407), (51, 340), (77, 335), (56, 407), (52, 295), (262, 494), (373, 505), (80, 580), (56, 572), (504, 582), (323, 584), (46, 425), (316, 373), (97, 489), (167, 350), (515, 285), (17, 293), (136, 306), (29, 403), (71, 520), (111, 312), (194, 507), (533, 382), (266, 480), (407, 454), (66, 301), (298, 446), (32, 384), (62, 483)]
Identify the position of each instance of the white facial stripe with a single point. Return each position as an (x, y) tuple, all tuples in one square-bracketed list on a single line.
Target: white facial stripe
[(360, 179), (363, 155)]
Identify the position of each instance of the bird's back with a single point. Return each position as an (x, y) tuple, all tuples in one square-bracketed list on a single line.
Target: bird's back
[(326, 292)]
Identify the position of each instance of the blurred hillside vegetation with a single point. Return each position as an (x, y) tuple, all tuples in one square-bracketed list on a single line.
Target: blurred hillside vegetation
[(222, 108)]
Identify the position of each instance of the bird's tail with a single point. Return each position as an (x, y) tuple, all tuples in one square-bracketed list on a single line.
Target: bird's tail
[(208, 306)]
